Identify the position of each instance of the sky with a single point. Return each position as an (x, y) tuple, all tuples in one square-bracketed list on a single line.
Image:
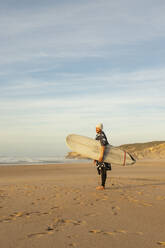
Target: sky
[(68, 65)]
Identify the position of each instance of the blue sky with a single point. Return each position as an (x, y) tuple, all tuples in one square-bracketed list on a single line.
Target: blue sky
[(67, 65)]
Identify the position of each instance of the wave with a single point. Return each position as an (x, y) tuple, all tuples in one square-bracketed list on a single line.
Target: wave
[(5, 160)]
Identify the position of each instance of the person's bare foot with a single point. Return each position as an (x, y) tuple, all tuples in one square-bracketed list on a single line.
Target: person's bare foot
[(100, 188)]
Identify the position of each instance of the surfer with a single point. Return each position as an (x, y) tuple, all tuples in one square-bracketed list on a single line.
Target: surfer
[(102, 166)]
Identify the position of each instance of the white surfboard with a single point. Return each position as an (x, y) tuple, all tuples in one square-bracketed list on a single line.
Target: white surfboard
[(90, 148)]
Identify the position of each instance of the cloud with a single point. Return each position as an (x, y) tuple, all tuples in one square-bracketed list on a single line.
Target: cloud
[(77, 31), (144, 83), (115, 96)]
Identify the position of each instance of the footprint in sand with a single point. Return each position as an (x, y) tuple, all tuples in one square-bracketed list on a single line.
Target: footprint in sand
[(140, 203), (115, 209), (38, 235), (138, 233), (105, 198), (146, 204), (160, 198), (5, 220), (74, 222), (19, 214), (73, 245), (113, 233), (109, 233), (162, 243), (12, 217), (95, 231), (16, 215), (58, 223), (139, 192), (121, 231), (91, 215), (78, 201), (50, 228), (55, 207)]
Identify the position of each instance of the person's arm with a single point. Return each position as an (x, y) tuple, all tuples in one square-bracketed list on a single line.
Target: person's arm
[(102, 149)]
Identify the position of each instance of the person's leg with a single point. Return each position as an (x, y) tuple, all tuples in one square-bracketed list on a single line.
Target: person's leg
[(98, 170), (103, 176)]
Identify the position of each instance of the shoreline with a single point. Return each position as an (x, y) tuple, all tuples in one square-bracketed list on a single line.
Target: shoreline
[(152, 162), (64, 161)]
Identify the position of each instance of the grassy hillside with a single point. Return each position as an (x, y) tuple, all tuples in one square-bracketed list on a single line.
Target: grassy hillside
[(149, 150)]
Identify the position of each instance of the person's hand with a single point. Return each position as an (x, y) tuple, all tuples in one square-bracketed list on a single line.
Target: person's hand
[(94, 161)]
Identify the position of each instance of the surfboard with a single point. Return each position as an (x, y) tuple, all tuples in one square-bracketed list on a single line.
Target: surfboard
[(90, 148)]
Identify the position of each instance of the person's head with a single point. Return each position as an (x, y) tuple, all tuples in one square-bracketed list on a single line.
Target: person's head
[(99, 127)]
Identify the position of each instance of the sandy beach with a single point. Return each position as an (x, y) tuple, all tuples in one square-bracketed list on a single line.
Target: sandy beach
[(58, 206)]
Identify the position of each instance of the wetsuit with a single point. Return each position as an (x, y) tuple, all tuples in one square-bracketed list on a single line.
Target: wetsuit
[(102, 167)]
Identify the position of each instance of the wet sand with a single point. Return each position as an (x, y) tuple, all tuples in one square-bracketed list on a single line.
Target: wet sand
[(58, 206)]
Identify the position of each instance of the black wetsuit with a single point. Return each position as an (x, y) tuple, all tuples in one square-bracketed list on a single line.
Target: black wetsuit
[(102, 167)]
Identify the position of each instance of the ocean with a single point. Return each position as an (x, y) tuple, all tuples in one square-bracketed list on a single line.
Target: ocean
[(15, 160)]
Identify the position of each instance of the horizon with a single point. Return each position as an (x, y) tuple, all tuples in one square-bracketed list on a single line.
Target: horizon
[(65, 67)]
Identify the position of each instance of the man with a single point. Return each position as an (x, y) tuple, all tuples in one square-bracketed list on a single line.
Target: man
[(102, 166)]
